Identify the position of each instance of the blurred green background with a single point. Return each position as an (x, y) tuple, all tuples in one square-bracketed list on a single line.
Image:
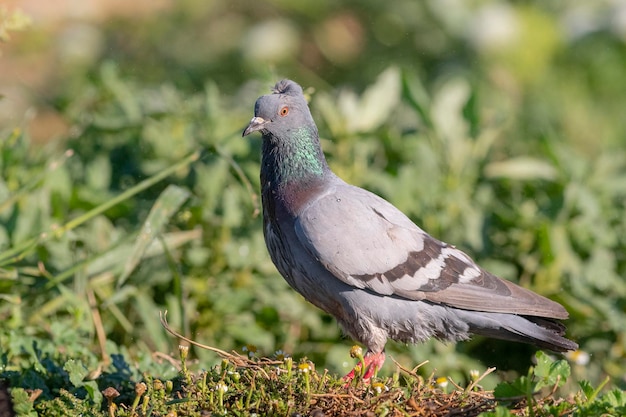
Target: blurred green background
[(497, 126)]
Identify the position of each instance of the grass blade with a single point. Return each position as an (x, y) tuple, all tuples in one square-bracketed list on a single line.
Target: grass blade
[(162, 211)]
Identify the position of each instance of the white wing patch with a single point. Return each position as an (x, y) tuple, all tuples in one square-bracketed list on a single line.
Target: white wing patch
[(469, 274), (433, 268)]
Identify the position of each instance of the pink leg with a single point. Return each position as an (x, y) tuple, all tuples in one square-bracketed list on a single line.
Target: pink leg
[(372, 361)]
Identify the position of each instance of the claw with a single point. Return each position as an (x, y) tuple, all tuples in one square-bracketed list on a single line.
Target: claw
[(372, 363)]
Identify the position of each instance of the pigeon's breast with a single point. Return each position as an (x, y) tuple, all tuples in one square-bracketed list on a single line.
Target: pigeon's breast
[(302, 271), (297, 195)]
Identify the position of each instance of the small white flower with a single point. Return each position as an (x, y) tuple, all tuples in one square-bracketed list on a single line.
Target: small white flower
[(281, 355), (221, 387), (251, 349), (304, 367), (379, 387), (579, 357)]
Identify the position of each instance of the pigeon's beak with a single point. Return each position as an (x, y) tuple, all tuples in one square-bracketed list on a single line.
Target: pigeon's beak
[(257, 123)]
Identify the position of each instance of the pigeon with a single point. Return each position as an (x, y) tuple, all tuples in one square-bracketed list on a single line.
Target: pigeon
[(360, 259)]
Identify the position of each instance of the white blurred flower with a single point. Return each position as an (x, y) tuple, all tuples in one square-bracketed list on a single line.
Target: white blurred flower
[(305, 367), (579, 357), (379, 387), (271, 41), (494, 27), (281, 355), (250, 350)]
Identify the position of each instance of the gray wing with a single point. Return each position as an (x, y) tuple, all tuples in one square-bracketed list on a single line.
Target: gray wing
[(368, 243)]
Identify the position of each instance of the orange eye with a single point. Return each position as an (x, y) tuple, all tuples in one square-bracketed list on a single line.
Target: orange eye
[(284, 111)]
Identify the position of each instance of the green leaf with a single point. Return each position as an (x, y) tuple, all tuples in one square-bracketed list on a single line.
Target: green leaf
[(587, 389), (590, 392), (76, 372), (22, 405), (510, 390), (418, 96), (93, 392), (615, 398), (375, 105), (162, 211), (549, 371), (521, 168)]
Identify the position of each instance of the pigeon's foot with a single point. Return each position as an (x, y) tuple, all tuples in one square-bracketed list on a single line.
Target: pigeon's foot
[(372, 362)]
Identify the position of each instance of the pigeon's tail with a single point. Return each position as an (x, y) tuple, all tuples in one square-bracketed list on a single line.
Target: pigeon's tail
[(541, 332)]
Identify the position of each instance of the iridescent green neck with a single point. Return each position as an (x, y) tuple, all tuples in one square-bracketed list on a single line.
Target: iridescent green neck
[(306, 157), (296, 159)]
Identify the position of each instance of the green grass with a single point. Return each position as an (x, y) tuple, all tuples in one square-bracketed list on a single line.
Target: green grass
[(52, 383)]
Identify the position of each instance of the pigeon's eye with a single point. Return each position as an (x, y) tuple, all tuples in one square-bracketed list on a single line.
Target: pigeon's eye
[(284, 111)]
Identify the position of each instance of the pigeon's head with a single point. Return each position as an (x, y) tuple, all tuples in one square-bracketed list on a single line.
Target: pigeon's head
[(278, 113)]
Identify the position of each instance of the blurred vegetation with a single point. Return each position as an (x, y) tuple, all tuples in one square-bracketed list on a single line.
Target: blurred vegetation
[(497, 126)]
